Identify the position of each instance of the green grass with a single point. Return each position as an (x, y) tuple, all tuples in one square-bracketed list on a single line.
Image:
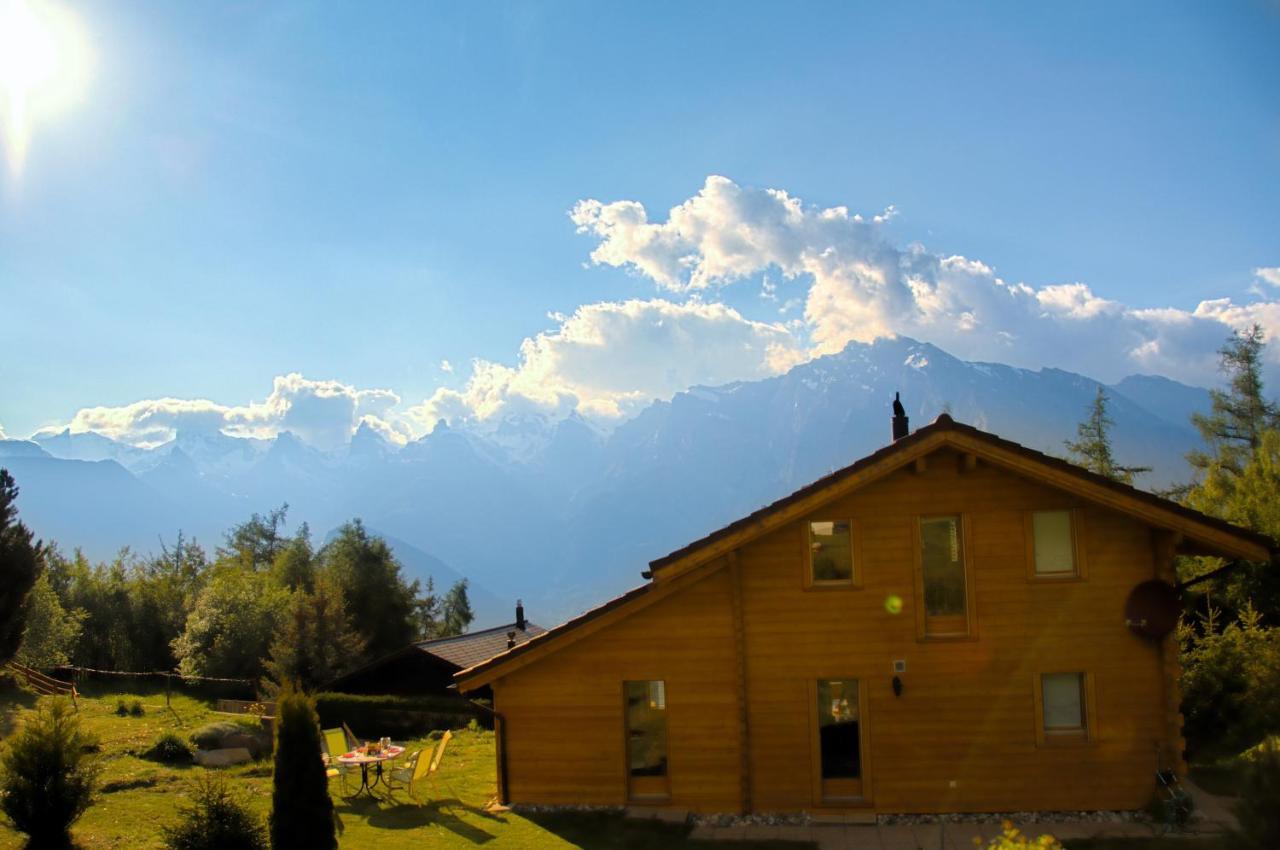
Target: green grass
[(138, 797), (1171, 842)]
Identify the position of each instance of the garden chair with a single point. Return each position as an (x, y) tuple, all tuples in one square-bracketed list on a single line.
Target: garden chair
[(333, 745), (423, 769), (352, 741)]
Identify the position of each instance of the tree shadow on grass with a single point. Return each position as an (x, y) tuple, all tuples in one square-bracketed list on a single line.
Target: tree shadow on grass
[(399, 815)]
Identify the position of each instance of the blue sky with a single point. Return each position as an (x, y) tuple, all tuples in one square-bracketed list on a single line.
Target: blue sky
[(357, 193)]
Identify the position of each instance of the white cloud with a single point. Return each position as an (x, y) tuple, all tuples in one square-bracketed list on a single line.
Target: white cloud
[(3, 436), (446, 367), (862, 287), (1270, 275), (322, 413), (610, 358)]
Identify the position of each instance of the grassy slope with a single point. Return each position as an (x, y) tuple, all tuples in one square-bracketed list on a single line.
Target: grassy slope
[(139, 797)]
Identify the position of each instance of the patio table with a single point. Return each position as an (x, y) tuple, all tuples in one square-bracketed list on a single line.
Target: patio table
[(365, 760)]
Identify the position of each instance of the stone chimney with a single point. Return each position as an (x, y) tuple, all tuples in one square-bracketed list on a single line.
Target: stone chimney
[(900, 421), (519, 615)]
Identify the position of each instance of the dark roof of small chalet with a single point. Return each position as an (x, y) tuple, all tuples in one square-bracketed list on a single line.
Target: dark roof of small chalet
[(943, 423), (470, 649)]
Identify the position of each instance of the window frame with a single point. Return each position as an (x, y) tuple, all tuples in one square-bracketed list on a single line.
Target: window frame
[(864, 798), (1088, 705), (1080, 573), (645, 789), (808, 582), (970, 631)]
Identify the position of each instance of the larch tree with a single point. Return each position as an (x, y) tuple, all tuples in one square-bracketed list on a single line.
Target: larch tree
[(455, 611), (314, 642), (1092, 446), (1232, 430)]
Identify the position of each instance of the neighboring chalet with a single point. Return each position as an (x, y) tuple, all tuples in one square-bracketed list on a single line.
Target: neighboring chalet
[(427, 667), (953, 623)]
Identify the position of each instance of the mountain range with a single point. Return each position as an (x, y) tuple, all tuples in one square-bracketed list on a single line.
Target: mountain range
[(562, 512)]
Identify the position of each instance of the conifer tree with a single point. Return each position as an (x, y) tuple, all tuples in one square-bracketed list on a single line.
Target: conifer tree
[(1092, 446), (315, 641), (19, 567), (1232, 430), (301, 809), (456, 614)]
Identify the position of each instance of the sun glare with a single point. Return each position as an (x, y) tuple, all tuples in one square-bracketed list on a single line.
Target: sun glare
[(43, 65)]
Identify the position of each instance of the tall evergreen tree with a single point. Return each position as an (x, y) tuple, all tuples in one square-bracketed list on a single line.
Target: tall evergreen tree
[(19, 567), (380, 602), (1232, 430), (426, 610), (256, 542), (1092, 446), (301, 809), (455, 611), (315, 641)]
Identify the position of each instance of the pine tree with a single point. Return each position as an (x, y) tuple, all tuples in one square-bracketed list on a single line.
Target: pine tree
[(19, 566), (426, 609), (1092, 446), (456, 614), (315, 641), (301, 809), (1232, 430)]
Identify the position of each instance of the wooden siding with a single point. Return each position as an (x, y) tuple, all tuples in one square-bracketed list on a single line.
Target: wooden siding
[(963, 735)]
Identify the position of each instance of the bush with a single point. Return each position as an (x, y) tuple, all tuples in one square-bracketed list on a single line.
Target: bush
[(400, 717), (215, 820), (1230, 683), (1012, 839), (169, 749), (46, 777), (210, 737), (121, 709), (136, 709), (1257, 811), (301, 809)]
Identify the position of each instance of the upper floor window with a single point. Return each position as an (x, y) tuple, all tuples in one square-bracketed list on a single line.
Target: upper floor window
[(943, 578), (831, 552), (1053, 544)]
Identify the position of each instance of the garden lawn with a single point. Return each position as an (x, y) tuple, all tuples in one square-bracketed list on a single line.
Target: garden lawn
[(137, 797)]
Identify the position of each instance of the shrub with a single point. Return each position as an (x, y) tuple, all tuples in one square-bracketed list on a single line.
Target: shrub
[(210, 737), (136, 710), (121, 709), (215, 820), (170, 749), (301, 809), (1012, 839), (1257, 811), (46, 777)]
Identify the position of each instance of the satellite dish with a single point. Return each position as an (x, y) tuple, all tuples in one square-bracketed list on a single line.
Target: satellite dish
[(1152, 609)]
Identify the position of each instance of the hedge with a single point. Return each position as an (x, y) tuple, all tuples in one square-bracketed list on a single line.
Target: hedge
[(373, 716)]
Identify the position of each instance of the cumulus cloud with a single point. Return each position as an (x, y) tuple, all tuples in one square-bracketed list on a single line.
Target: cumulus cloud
[(321, 413), (861, 286), (1269, 275), (609, 358), (3, 436)]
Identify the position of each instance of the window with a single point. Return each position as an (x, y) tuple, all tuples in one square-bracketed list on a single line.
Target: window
[(646, 711), (831, 552), (1063, 703), (1053, 550), (942, 576)]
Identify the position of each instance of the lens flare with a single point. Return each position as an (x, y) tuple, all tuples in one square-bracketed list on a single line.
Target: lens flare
[(43, 65)]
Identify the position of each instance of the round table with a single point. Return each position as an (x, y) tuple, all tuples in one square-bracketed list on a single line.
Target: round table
[(364, 759)]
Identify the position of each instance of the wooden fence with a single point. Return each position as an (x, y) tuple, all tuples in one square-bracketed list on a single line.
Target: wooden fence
[(42, 684)]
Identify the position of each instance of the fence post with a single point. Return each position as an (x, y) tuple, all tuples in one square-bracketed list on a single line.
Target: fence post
[(168, 681)]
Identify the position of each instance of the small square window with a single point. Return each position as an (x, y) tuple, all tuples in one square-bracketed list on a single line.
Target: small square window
[(1063, 703), (831, 552), (1053, 543)]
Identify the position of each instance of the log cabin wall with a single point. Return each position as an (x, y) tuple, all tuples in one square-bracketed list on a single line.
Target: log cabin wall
[(963, 734)]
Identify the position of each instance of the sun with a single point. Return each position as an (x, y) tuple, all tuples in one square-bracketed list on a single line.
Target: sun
[(43, 62)]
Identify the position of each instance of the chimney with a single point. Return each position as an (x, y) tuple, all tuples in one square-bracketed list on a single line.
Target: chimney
[(519, 615), (900, 427), (511, 639)]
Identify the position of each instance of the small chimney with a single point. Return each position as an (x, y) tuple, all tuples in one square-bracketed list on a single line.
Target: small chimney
[(519, 615), (900, 426), (511, 639)]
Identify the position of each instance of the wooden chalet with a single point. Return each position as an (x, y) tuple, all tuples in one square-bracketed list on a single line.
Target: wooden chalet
[(953, 623), (427, 667)]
